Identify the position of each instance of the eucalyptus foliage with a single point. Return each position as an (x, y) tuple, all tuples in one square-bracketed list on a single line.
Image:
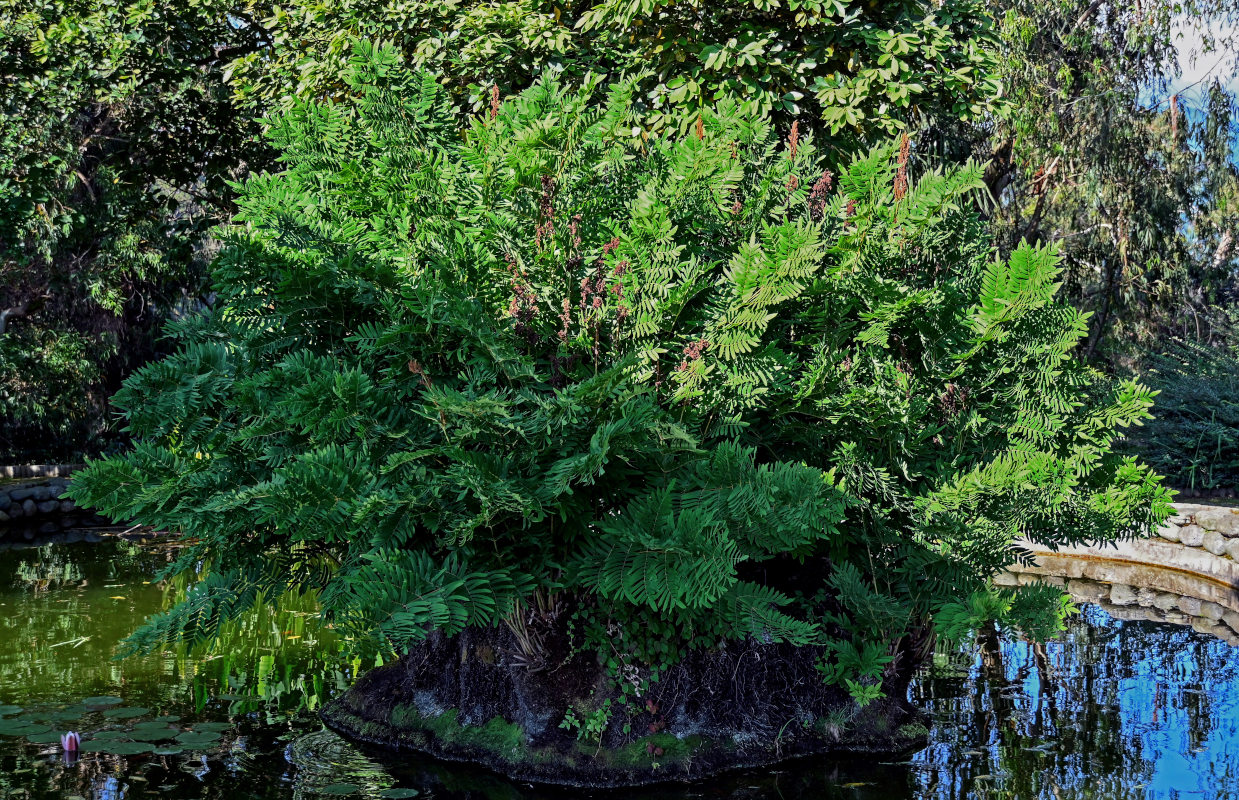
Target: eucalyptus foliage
[(1134, 179), (694, 386)]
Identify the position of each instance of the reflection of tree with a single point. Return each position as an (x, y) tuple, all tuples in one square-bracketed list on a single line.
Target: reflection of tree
[(50, 567), (71, 605), (1090, 715), (1096, 728)]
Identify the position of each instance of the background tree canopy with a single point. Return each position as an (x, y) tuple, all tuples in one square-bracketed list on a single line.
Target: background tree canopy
[(124, 123), (698, 385), (118, 136), (1134, 179)]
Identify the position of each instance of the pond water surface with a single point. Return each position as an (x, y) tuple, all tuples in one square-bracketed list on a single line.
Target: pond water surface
[(1112, 709)]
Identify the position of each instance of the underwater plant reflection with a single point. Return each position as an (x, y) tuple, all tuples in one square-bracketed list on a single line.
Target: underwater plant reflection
[(1113, 708)]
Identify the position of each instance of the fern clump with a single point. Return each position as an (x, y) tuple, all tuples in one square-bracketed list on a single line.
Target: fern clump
[(696, 388)]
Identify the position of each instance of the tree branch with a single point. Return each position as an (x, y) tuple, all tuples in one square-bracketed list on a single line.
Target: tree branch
[(8, 313)]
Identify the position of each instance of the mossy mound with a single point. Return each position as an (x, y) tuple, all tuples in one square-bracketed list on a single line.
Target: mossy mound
[(467, 699)]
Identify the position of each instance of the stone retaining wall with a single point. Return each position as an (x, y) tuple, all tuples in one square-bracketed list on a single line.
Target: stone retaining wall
[(1200, 539), (31, 471), (1187, 574), (1213, 528), (1131, 591), (32, 508)]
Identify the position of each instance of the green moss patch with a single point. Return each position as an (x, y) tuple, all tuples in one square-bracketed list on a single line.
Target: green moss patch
[(497, 736)]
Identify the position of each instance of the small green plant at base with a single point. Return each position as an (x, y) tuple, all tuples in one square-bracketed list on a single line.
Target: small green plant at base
[(589, 725), (834, 723), (913, 730)]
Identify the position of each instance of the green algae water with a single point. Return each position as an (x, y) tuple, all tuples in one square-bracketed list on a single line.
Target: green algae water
[(1113, 709)]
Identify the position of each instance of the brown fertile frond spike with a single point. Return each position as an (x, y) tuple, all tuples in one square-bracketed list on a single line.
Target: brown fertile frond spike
[(692, 353), (545, 231), (565, 317), (494, 101), (574, 231), (417, 370), (901, 173), (701, 128), (793, 141), (817, 197)]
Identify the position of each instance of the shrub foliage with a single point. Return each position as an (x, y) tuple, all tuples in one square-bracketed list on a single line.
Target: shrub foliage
[(857, 66), (694, 385), (1194, 437)]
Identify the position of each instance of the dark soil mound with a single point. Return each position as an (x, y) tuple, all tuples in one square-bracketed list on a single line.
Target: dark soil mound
[(473, 698)]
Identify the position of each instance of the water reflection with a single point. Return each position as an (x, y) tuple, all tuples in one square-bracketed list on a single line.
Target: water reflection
[(1116, 708), (63, 609), (1113, 709)]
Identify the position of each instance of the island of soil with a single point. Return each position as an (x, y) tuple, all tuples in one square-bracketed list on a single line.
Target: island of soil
[(472, 699)]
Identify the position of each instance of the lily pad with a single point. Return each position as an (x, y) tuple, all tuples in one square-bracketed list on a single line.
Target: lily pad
[(48, 737), (109, 736), (23, 729), (340, 788), (95, 746), (215, 727), (65, 715), (169, 751), (155, 726), (192, 739), (115, 747), (129, 748), (126, 712), (396, 793), (6, 710), (105, 700), (167, 718), (148, 735)]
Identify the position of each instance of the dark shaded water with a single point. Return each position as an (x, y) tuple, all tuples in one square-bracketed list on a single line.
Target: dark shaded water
[(1111, 710)]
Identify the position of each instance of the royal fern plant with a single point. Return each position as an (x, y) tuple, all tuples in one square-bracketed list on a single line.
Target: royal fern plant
[(697, 386)]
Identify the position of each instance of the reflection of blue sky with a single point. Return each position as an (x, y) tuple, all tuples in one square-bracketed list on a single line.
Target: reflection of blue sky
[(1134, 710)]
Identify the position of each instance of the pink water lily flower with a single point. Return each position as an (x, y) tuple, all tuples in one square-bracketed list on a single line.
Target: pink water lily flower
[(70, 741)]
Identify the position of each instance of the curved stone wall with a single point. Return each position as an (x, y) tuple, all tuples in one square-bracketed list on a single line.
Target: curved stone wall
[(33, 508), (1186, 575), (1213, 528)]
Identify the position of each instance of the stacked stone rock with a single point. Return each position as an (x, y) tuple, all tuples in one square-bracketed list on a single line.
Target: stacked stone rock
[(1126, 602), (40, 507), (1212, 528)]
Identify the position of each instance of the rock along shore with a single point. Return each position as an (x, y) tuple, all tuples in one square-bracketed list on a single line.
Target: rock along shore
[(33, 503)]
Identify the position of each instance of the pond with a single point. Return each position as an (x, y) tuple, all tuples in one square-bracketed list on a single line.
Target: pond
[(1113, 709)]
